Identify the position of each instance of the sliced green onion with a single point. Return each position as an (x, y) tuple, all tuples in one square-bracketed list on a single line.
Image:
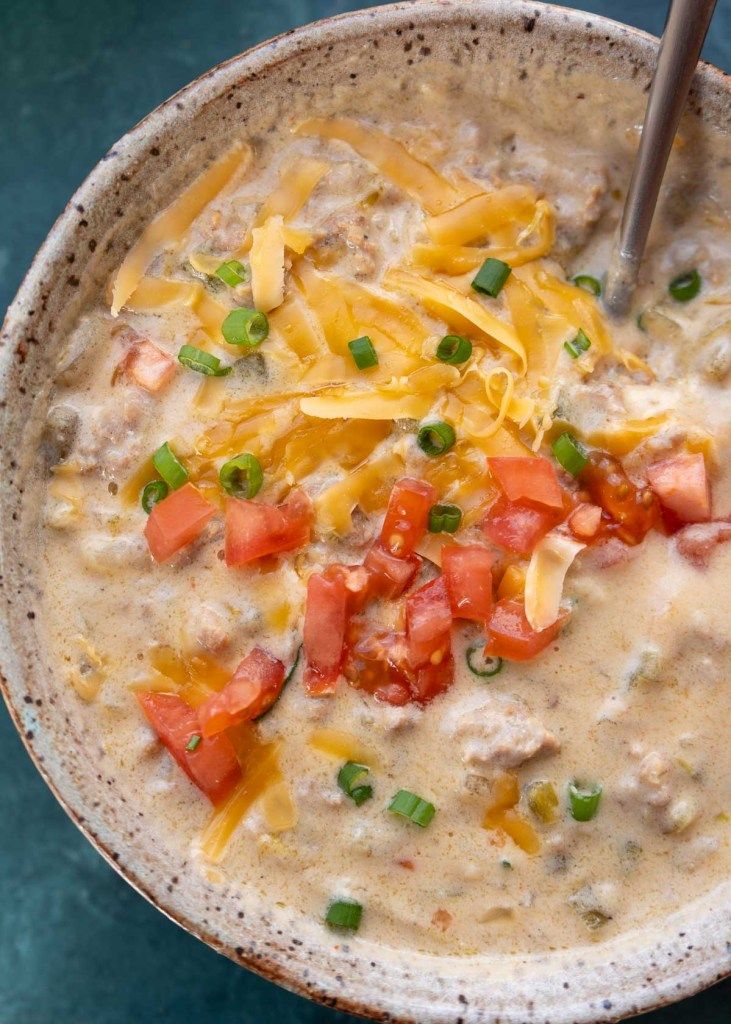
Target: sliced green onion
[(245, 327), (444, 518), (411, 806), (569, 453), (344, 914), (588, 283), (577, 345), (169, 466), (685, 286), (454, 349), (348, 776), (153, 492), (584, 802), (193, 741), (287, 678), (363, 353), (232, 273), (491, 277), (242, 476), (436, 438), (202, 362), (480, 664)]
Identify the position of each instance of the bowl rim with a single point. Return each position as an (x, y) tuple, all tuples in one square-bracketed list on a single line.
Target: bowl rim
[(272, 51)]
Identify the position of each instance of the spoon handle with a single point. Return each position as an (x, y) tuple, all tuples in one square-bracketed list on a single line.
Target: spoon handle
[(680, 48)]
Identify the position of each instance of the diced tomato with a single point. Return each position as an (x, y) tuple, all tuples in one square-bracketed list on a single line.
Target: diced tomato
[(252, 689), (356, 581), (511, 635), (468, 576), (634, 510), (681, 484), (390, 576), (527, 480), (378, 663), (212, 764), (324, 633), (428, 623), (518, 528), (254, 529), (433, 678), (176, 521), (585, 521), (148, 366), (407, 516), (697, 541)]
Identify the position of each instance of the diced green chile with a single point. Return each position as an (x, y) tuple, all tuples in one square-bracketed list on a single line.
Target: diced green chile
[(344, 914), (242, 476)]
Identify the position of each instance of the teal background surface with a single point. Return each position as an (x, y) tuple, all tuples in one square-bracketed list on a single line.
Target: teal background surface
[(77, 945)]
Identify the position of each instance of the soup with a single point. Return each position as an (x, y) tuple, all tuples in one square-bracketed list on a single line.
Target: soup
[(393, 573)]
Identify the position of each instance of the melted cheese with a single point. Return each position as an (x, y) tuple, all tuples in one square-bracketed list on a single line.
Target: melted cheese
[(549, 563), (267, 264)]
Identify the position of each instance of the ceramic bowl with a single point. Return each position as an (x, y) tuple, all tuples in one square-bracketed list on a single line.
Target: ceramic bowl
[(326, 64)]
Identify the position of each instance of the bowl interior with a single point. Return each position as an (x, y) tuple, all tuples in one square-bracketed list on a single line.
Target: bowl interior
[(507, 50)]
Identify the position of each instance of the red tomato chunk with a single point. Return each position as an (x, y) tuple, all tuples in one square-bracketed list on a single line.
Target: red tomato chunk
[(634, 510), (518, 528), (148, 366), (390, 576), (212, 765), (407, 516), (511, 635), (177, 521), (531, 480), (324, 633), (468, 575), (253, 688), (254, 529), (681, 484), (428, 624)]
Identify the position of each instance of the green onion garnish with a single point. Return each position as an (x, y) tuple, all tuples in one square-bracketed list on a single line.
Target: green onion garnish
[(202, 362), (363, 353), (411, 806), (577, 345), (242, 476), (348, 776), (584, 802), (344, 914), (153, 492), (588, 283), (491, 277), (245, 327), (569, 453), (169, 466), (232, 273), (454, 349), (193, 741), (444, 518), (481, 665), (436, 438), (685, 286)]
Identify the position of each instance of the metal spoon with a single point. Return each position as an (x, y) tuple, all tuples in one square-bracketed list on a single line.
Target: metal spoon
[(680, 47)]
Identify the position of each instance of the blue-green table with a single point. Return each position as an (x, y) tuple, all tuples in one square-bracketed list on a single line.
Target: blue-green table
[(77, 945)]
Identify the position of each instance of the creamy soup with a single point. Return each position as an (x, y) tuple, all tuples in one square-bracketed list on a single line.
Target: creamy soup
[(393, 572)]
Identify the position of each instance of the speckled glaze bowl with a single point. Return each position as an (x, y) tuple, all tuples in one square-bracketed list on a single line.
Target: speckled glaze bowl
[(494, 39)]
